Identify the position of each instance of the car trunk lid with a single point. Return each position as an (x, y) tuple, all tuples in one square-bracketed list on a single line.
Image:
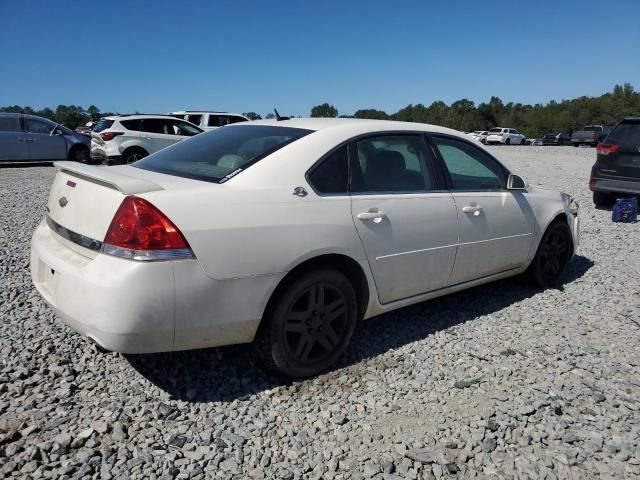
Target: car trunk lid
[(83, 199)]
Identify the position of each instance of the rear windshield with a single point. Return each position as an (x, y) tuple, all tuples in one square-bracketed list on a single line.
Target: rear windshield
[(627, 134), (219, 155), (498, 130), (102, 124), (592, 128)]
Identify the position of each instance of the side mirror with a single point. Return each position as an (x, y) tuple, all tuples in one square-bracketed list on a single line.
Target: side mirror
[(514, 182), (56, 131)]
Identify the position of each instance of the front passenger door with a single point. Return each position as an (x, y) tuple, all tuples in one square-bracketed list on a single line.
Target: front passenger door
[(496, 225)]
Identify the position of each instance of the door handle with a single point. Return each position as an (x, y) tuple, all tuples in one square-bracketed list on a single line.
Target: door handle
[(472, 208), (371, 216)]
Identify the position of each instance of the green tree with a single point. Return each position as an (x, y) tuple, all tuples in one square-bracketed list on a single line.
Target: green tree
[(252, 116), (324, 110)]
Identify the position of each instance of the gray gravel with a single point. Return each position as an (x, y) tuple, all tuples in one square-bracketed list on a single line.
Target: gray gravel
[(500, 381)]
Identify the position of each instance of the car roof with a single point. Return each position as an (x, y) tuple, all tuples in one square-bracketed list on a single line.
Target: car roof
[(137, 116), (186, 112), (364, 125)]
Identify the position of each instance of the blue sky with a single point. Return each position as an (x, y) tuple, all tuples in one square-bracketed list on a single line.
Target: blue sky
[(157, 56)]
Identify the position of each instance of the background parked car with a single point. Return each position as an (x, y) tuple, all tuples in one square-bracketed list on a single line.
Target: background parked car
[(506, 136), (558, 138), (617, 167), (128, 138), (589, 135), (479, 135), (28, 137), (210, 120)]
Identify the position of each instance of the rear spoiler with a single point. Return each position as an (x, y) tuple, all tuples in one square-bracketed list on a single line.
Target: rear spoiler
[(108, 178)]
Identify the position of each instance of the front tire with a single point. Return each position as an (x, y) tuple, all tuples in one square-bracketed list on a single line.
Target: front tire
[(553, 255), (309, 325), (507, 141)]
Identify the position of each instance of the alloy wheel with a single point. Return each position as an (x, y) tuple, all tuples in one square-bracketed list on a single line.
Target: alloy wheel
[(554, 255), (315, 323)]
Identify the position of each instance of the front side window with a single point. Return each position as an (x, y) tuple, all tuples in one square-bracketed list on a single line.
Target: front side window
[(394, 163), (331, 176), (10, 124), (219, 155), (236, 119), (38, 126), (178, 127), (469, 167)]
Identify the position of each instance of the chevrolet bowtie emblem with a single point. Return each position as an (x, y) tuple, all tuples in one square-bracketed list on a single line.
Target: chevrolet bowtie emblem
[(63, 202)]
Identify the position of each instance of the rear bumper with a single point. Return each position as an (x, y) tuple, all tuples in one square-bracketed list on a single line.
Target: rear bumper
[(144, 307), (615, 186), (494, 139)]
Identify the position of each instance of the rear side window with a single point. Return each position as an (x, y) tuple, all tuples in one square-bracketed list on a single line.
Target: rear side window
[(195, 119), (135, 125), (155, 125), (10, 124), (627, 135), (332, 175), (218, 120), (102, 124), (221, 154), (394, 163), (469, 167), (236, 119)]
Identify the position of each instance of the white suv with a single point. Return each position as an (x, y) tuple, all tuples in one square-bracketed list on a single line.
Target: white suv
[(210, 120), (128, 138), (506, 136)]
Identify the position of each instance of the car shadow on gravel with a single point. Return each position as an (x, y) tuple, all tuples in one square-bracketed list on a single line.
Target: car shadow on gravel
[(25, 164), (230, 373)]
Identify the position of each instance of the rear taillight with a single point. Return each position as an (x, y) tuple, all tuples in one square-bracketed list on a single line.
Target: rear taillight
[(106, 136), (607, 148), (139, 231), (592, 184)]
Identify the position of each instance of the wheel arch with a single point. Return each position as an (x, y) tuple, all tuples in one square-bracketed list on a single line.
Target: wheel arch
[(345, 264), (133, 148), (74, 147)]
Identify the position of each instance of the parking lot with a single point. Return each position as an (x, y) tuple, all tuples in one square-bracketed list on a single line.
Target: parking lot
[(498, 381)]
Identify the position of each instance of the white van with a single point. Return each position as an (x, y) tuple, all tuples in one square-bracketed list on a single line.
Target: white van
[(209, 120)]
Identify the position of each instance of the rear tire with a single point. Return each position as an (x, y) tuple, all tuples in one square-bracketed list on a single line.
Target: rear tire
[(553, 255), (576, 145), (309, 325), (133, 155), (79, 154), (602, 199), (523, 141)]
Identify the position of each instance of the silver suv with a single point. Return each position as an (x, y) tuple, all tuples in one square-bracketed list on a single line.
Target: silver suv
[(128, 138)]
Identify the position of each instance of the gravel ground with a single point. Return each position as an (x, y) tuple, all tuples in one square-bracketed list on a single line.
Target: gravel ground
[(499, 381)]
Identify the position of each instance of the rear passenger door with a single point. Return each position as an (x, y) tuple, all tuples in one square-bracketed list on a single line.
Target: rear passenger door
[(405, 217), (496, 225), (13, 141), (157, 134)]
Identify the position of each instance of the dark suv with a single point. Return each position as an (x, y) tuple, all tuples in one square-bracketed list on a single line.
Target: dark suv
[(617, 168)]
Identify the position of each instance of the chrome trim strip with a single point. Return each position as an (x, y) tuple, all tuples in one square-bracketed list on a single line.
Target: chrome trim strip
[(74, 237), (452, 245), (147, 255)]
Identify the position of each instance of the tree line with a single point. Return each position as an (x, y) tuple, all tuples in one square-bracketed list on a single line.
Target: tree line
[(532, 120)]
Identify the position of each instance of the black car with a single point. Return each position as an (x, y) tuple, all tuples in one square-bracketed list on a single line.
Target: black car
[(617, 168), (558, 138)]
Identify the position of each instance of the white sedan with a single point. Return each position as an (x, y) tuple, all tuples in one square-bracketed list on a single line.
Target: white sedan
[(285, 234), (479, 135)]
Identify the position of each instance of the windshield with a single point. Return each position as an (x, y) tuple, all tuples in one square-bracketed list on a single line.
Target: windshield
[(219, 155)]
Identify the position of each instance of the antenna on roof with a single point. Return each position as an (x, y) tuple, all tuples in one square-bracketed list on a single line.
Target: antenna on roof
[(278, 117)]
